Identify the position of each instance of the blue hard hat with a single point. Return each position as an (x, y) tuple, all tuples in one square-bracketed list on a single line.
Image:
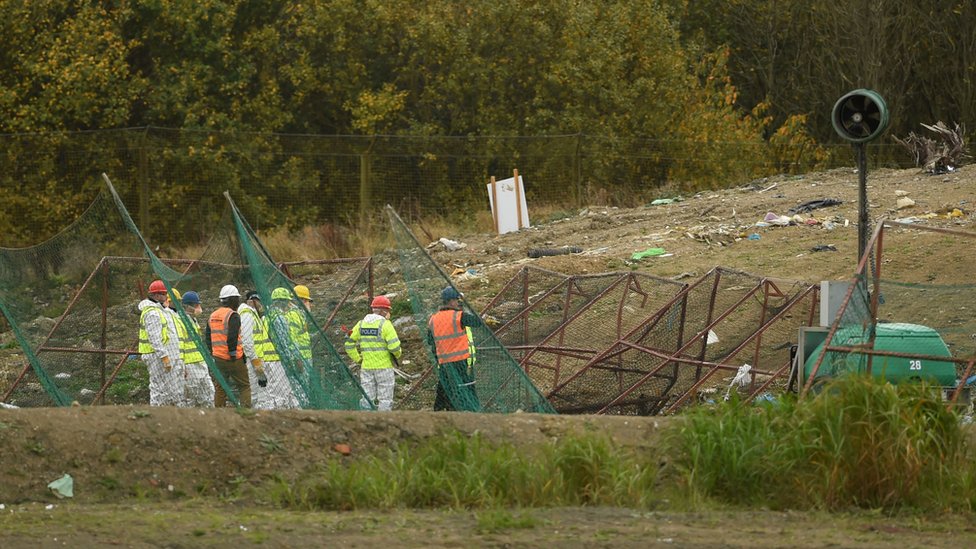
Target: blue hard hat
[(191, 298), (450, 293)]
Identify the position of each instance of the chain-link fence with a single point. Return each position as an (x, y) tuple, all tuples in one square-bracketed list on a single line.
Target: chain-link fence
[(172, 180)]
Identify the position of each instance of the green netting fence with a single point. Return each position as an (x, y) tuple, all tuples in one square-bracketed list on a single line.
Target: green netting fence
[(72, 305), (499, 384)]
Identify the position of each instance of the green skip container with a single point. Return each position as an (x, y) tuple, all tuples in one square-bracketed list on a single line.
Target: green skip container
[(894, 337)]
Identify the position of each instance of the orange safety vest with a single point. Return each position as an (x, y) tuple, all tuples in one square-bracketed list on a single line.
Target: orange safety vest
[(218, 335), (450, 338)]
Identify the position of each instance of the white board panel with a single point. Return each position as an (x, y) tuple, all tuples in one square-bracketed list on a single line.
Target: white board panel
[(506, 212)]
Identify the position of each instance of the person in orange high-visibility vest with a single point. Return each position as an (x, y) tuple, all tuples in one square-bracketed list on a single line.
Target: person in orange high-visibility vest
[(448, 340), (224, 342)]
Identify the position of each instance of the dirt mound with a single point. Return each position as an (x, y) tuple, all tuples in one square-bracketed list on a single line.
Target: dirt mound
[(115, 452)]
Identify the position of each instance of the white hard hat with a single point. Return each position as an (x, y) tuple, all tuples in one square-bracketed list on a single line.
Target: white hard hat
[(229, 291)]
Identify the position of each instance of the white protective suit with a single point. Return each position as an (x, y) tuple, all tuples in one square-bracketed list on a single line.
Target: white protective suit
[(165, 388)]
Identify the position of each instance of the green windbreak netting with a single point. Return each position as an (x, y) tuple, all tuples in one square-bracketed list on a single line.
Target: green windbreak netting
[(72, 303), (316, 372), (73, 306), (494, 382)]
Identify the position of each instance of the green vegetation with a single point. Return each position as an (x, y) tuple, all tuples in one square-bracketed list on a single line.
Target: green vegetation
[(460, 472), (225, 95), (859, 443)]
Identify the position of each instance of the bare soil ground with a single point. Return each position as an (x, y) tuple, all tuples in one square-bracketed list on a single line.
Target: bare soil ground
[(150, 477), (712, 228)]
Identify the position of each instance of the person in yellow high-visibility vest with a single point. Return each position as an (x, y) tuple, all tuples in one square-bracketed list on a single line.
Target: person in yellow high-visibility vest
[(276, 392), (199, 389), (378, 348), (298, 323), (160, 351)]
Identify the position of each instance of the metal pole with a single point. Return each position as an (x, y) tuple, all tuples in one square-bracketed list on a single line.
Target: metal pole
[(862, 219)]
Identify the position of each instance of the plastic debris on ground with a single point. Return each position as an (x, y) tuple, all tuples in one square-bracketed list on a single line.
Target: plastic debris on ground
[(754, 236), (775, 219), (63, 487), (662, 201), (741, 379), (823, 248), (449, 245), (814, 204), (650, 252)]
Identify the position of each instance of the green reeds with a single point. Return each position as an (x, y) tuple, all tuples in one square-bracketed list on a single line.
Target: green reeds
[(861, 442), (457, 471)]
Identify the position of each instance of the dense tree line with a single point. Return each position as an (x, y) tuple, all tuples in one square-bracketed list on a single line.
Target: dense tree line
[(800, 56), (693, 86)]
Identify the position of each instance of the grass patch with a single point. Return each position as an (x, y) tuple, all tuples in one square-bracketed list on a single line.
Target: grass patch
[(860, 443), (457, 471), (271, 444)]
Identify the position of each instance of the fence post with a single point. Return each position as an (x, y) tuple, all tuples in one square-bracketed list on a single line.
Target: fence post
[(143, 176), (578, 160), (365, 189)]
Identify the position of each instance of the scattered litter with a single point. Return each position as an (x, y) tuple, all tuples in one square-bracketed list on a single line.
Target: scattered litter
[(49, 506), (765, 397), (815, 204), (683, 275), (343, 449), (405, 375), (450, 245), (741, 379), (650, 252), (774, 219), (63, 375), (901, 193), (662, 201), (545, 252), (769, 188), (823, 248), (63, 487), (812, 221), (904, 202), (6, 406), (596, 251), (754, 236), (829, 225), (711, 338), (909, 220)]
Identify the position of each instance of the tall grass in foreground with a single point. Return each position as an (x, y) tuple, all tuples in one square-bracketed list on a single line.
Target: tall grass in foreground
[(859, 443), (457, 471)]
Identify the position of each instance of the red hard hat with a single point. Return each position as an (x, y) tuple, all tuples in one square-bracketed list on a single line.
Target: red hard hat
[(380, 302), (157, 287)]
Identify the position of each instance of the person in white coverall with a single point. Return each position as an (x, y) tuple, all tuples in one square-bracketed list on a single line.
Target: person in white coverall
[(199, 389), (379, 347), (276, 392), (160, 349)]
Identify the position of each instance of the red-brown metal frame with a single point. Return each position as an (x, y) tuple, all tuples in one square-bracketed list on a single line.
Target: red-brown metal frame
[(877, 244)]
